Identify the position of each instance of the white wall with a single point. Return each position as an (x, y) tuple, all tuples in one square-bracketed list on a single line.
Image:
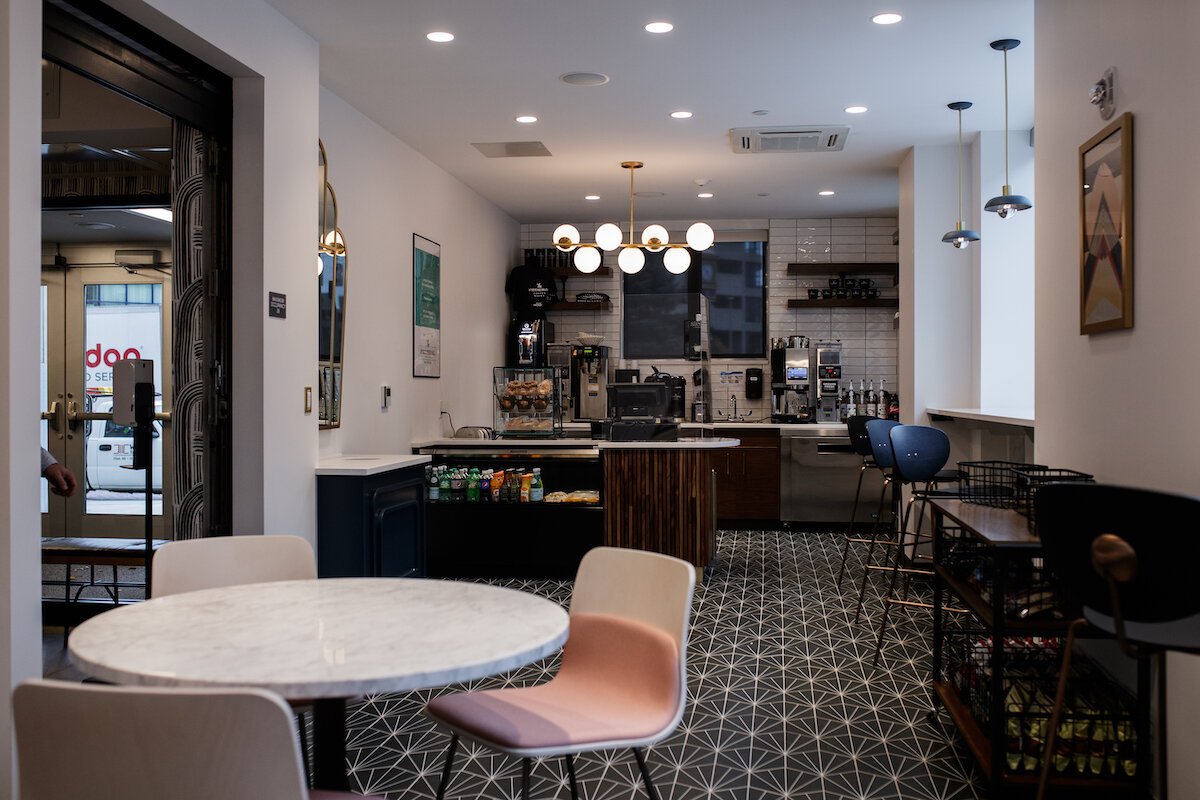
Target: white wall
[(937, 284), (1117, 404), (20, 200), (387, 192), (1004, 257)]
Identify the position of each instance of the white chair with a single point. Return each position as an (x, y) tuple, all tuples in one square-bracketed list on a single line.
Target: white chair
[(623, 679), (192, 564), (137, 743)]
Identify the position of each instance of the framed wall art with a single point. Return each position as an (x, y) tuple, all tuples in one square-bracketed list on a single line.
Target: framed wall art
[(1106, 216), (427, 308)]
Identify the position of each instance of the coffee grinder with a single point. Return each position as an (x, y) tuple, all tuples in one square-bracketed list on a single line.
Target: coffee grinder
[(791, 381), (828, 357), (589, 381)]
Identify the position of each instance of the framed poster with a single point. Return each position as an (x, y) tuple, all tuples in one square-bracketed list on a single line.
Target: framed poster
[(427, 308), (1106, 214)]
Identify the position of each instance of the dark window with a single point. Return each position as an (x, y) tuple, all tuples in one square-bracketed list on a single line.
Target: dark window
[(737, 297), (658, 307)]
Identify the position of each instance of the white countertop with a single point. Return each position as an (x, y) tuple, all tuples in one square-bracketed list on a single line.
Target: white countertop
[(335, 637), (367, 464), (1022, 417), (684, 443)]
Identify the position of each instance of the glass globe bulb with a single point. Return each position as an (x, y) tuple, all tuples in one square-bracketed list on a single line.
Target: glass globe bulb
[(700, 236), (677, 260), (333, 240), (631, 260), (1005, 211), (320, 264), (961, 244), (608, 236), (587, 259), (652, 233), (568, 232)]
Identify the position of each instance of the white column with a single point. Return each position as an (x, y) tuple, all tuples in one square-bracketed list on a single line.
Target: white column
[(20, 223)]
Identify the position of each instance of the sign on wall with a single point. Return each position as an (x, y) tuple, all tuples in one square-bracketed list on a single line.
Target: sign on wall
[(427, 311)]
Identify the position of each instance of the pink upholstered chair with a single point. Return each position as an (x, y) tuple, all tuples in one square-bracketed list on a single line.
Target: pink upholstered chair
[(138, 743), (623, 679)]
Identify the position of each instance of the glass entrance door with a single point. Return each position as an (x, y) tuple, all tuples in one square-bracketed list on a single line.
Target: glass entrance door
[(91, 318)]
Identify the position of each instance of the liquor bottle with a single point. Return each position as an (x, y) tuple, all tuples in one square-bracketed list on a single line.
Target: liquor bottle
[(872, 408), (431, 481), (851, 408), (536, 490), (884, 399)]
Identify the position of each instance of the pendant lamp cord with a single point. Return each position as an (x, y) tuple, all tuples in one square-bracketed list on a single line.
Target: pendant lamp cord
[(631, 207), (959, 163), (1005, 118)]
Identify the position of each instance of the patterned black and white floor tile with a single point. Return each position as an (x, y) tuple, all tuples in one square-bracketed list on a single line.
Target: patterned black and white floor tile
[(783, 701)]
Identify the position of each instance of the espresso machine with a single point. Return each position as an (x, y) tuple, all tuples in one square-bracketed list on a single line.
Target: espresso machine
[(527, 341), (791, 382), (589, 382), (828, 357)]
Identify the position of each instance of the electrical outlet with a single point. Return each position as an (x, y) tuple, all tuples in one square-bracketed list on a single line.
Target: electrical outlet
[(444, 407)]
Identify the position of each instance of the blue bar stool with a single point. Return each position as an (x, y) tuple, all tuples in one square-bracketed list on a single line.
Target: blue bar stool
[(881, 449), (919, 454), (860, 440)]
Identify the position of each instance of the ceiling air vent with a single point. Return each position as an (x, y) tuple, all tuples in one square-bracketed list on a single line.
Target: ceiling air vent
[(789, 139)]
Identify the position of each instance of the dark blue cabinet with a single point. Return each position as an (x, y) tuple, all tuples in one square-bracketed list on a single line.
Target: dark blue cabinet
[(371, 525)]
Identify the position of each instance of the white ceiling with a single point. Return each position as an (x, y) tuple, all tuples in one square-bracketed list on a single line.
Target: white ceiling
[(804, 62)]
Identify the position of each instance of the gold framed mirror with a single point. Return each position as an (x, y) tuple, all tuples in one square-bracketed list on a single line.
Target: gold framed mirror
[(331, 300)]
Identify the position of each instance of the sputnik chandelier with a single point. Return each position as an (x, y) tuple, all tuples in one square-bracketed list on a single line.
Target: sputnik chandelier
[(631, 259)]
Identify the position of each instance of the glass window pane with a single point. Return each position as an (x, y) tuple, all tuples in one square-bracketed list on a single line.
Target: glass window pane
[(734, 285)]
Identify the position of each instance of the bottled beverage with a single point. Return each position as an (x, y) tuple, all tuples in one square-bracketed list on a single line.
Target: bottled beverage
[(485, 486), (473, 486), (431, 485), (872, 401), (526, 484), (497, 487), (536, 490), (444, 485), (513, 483), (884, 400), (458, 486), (851, 407)]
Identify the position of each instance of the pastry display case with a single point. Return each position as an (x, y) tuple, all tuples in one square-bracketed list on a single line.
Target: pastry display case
[(526, 402)]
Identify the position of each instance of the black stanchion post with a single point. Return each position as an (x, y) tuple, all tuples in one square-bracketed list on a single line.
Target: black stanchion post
[(143, 458)]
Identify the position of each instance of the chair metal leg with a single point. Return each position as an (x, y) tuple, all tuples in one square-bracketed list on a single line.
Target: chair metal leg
[(441, 792), (850, 530), (862, 588), (570, 759), (303, 731), (526, 768), (901, 539), (651, 792), (1056, 714)]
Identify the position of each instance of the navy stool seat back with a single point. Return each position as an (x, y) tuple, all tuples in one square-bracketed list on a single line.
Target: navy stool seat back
[(919, 452), (881, 446), (860, 440)]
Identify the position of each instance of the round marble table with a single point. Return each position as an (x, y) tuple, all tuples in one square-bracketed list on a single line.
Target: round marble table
[(322, 640)]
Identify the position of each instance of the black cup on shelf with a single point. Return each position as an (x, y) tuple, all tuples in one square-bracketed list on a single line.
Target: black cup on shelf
[(842, 294), (827, 294), (835, 283), (866, 283), (872, 294), (849, 283), (813, 294), (857, 294)]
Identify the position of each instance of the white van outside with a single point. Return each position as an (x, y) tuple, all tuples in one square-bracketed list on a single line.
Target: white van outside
[(109, 453)]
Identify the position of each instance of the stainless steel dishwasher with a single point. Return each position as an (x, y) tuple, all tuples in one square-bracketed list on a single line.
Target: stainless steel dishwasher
[(818, 472)]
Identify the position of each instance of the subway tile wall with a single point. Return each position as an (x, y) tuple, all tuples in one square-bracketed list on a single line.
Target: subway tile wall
[(868, 335)]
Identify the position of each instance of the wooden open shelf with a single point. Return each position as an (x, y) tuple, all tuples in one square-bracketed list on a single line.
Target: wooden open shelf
[(878, 302), (572, 305), (884, 268)]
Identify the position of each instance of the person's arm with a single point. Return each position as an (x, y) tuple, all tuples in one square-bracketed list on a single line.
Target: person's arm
[(62, 481)]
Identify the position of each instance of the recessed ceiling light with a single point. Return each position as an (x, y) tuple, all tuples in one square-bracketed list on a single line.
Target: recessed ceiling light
[(760, 112), (825, 192), (96, 226), (649, 194), (681, 115), (764, 194), (584, 78), (440, 36), (526, 119), (705, 195), (659, 27), (592, 197), (889, 18), (856, 109)]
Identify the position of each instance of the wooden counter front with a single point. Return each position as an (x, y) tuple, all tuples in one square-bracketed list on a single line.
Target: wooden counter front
[(661, 500)]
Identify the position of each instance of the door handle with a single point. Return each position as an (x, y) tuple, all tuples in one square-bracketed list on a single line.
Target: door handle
[(105, 447), (54, 416)]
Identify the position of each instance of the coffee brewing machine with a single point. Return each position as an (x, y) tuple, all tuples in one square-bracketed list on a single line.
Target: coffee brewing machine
[(791, 381), (589, 382), (828, 357)]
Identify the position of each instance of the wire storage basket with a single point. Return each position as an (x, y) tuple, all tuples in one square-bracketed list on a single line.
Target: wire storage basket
[(1030, 478), (990, 483)]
